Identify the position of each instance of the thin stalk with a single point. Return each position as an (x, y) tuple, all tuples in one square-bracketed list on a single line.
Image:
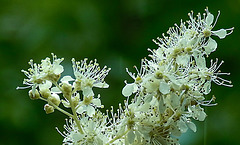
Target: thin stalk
[(74, 116), (58, 108)]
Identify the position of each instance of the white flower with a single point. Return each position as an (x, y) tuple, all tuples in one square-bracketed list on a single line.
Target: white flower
[(164, 87), (94, 132), (197, 112), (52, 68), (206, 25), (89, 75), (138, 78), (39, 73), (88, 105), (34, 76), (129, 89)]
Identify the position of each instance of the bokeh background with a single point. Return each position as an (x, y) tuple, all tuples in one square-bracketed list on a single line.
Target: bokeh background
[(118, 34)]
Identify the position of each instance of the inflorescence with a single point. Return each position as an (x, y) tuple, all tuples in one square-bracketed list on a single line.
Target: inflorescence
[(168, 92)]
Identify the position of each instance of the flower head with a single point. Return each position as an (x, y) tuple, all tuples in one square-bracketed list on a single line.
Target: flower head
[(94, 131), (89, 75), (39, 73)]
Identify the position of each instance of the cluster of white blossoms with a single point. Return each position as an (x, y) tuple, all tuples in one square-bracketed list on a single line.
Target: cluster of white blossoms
[(167, 93)]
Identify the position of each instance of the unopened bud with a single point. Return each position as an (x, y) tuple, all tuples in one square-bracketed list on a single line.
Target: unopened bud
[(34, 96), (67, 90), (55, 99), (45, 93), (48, 108), (53, 77), (77, 85), (87, 100), (75, 100)]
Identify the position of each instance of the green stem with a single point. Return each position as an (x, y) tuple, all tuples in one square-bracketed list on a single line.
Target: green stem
[(74, 116), (58, 108)]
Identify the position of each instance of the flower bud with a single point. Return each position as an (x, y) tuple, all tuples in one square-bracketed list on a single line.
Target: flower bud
[(75, 100), (53, 77), (67, 90), (77, 85), (55, 99), (87, 100), (45, 93), (34, 96), (48, 108)]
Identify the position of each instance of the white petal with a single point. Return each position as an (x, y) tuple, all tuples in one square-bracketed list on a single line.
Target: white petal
[(81, 109), (90, 111), (183, 59), (192, 126), (175, 102), (87, 91), (182, 126), (77, 136), (162, 105), (98, 140), (173, 79), (145, 107), (202, 116), (222, 33), (120, 131), (159, 54), (207, 87), (46, 85), (78, 74), (34, 88), (128, 90), (57, 69), (66, 104), (55, 90), (56, 96), (182, 42), (101, 85), (67, 79), (148, 98), (200, 61), (131, 136), (211, 46), (209, 19), (164, 87), (91, 125), (96, 102), (176, 132)]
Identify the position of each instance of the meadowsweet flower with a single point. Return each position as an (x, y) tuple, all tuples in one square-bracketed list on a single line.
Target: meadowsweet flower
[(34, 77), (39, 73), (136, 86), (89, 76), (52, 70), (88, 105), (93, 132)]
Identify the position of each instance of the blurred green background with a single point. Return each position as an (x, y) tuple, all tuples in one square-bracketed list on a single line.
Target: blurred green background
[(118, 34)]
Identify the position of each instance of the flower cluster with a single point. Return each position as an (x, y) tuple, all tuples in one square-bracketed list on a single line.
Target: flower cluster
[(171, 86), (167, 94)]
